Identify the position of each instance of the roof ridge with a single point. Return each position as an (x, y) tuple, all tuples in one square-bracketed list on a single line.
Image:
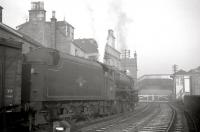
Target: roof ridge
[(19, 34)]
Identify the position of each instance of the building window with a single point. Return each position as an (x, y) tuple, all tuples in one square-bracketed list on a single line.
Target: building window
[(67, 31)]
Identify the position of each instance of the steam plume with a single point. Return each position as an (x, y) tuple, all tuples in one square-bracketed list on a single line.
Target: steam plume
[(121, 25)]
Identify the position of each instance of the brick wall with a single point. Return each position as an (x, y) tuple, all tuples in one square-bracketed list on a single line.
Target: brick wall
[(44, 32), (36, 31)]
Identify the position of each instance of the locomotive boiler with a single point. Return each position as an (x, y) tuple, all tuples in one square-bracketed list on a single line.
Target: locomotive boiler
[(59, 86)]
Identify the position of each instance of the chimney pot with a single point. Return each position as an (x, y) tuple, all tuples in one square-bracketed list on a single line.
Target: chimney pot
[(53, 14), (37, 5)]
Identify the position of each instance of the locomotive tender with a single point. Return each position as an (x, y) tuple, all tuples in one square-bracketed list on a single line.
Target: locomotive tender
[(57, 85)]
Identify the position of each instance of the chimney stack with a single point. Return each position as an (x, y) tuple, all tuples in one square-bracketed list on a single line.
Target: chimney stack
[(53, 18), (1, 10), (53, 14), (111, 38), (37, 12), (53, 30)]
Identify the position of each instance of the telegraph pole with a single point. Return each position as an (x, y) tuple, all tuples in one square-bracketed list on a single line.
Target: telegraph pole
[(174, 68)]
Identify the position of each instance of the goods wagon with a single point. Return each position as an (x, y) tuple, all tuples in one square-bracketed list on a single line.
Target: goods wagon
[(10, 73)]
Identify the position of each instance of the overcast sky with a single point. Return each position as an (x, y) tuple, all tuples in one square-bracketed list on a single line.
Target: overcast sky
[(163, 32)]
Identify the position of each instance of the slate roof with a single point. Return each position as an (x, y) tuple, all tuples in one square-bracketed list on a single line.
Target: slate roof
[(181, 72), (194, 71), (88, 45), (59, 23), (20, 35)]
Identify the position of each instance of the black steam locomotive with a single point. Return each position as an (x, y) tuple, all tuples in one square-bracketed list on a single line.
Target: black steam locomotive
[(57, 86)]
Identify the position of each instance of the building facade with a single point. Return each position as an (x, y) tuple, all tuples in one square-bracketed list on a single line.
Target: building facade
[(182, 84), (77, 51), (89, 46), (128, 64), (52, 34), (155, 88), (195, 81), (187, 83), (111, 55)]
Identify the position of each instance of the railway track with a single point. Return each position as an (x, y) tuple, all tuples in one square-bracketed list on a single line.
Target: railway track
[(186, 121), (193, 121), (179, 124), (123, 123), (138, 108), (163, 121), (153, 118)]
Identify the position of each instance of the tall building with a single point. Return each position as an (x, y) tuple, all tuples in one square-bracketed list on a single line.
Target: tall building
[(128, 64), (112, 55), (53, 34)]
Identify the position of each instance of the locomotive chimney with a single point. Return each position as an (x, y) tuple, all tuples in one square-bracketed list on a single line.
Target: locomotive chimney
[(1, 11)]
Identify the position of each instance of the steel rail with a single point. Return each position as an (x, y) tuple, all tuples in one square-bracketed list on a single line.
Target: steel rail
[(173, 119), (167, 116), (130, 122), (113, 122)]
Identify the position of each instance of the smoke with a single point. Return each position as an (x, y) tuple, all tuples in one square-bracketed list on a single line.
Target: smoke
[(122, 23), (104, 15), (98, 23), (92, 18), (122, 30)]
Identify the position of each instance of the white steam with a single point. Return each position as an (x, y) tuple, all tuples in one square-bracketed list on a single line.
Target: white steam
[(111, 16)]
